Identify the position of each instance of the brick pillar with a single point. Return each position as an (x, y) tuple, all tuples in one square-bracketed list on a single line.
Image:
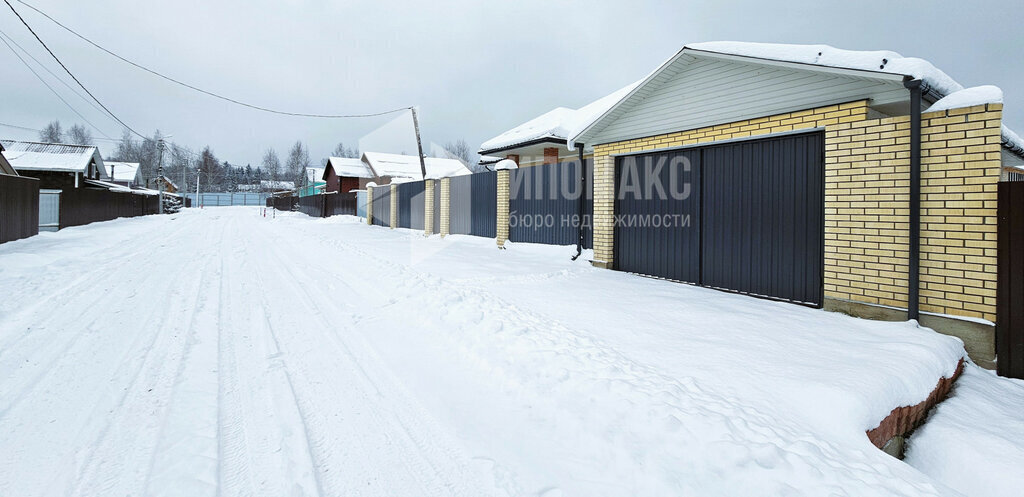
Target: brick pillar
[(513, 158), (446, 187), (604, 210), (428, 207), (394, 206), (502, 221), (369, 205), (551, 155)]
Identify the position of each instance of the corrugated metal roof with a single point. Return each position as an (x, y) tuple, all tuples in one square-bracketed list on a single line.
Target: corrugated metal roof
[(33, 156)]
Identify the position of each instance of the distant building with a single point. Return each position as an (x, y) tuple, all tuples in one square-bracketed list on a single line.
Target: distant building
[(168, 185), (344, 174), (123, 173), (313, 182), (6, 167), (57, 166), (385, 167)]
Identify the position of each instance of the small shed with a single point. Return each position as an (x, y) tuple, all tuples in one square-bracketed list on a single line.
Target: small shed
[(344, 174)]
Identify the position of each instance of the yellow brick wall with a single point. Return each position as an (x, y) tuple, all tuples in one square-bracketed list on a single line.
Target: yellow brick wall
[(393, 223), (446, 186), (960, 170), (369, 205), (428, 207), (867, 180), (503, 198), (604, 163)]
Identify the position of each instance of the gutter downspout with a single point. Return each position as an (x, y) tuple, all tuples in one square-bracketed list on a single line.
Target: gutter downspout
[(914, 273), (583, 195)]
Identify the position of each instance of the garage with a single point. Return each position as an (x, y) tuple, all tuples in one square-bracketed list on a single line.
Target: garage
[(744, 216)]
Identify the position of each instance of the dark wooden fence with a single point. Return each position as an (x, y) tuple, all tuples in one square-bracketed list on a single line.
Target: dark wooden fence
[(1010, 281), (19, 207), (545, 205), (81, 206), (340, 204), (281, 203), (312, 205)]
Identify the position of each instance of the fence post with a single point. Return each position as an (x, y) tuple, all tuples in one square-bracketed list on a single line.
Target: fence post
[(502, 221), (394, 206), (369, 205), (446, 188), (428, 207)]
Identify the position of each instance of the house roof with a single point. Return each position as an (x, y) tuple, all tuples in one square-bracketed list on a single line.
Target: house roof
[(315, 174), (5, 167), (881, 64), (33, 156), (122, 171), (554, 125), (408, 166), (347, 167)]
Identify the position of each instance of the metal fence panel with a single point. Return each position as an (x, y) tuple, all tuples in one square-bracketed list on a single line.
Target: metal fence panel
[(411, 207), (19, 207), (1010, 281), (49, 210), (361, 203), (437, 206), (340, 204), (81, 206), (224, 199), (312, 205), (382, 206), (545, 205), (474, 204)]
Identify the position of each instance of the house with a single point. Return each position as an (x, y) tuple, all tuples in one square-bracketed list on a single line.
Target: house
[(800, 173), (57, 166), (6, 167), (268, 185), (162, 182), (542, 140), (385, 167), (313, 182), (344, 174), (123, 173)]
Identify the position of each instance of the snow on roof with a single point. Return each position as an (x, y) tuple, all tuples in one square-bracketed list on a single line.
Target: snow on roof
[(279, 185), (879, 61), (969, 97), (556, 124), (408, 166), (114, 187), (33, 156), (122, 171), (349, 167)]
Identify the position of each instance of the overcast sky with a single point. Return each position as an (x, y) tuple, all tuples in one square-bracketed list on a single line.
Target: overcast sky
[(474, 68)]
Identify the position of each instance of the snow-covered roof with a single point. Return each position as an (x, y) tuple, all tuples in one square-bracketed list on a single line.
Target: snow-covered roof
[(408, 166), (277, 185), (349, 167), (969, 97), (122, 171), (167, 180), (108, 185), (5, 167), (33, 156), (556, 124)]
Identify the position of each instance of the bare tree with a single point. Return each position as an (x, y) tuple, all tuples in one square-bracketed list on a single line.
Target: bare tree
[(460, 150), (52, 133), (298, 161), (342, 151), (271, 164), (78, 135)]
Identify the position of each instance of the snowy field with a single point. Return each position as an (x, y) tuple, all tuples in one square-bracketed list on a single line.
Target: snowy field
[(219, 352)]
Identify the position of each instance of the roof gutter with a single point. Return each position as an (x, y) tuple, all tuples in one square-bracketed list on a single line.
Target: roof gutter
[(917, 90), (535, 141)]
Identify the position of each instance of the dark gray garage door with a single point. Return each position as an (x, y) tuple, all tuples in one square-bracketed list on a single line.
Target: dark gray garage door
[(753, 221)]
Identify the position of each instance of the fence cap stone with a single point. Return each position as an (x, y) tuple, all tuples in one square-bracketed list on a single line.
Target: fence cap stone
[(504, 164)]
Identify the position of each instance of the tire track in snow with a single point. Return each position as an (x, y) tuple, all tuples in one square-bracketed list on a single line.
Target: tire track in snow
[(399, 430)]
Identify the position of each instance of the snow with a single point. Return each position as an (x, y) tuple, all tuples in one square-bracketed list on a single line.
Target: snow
[(974, 441), (408, 166), (558, 124), (350, 167), (399, 364), (108, 185), (122, 171), (32, 156), (314, 175), (969, 97), (505, 164)]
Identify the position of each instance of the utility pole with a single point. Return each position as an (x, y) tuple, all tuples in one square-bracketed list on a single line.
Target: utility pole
[(160, 172), (419, 144)]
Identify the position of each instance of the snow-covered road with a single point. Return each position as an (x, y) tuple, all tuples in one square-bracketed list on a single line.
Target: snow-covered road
[(219, 352)]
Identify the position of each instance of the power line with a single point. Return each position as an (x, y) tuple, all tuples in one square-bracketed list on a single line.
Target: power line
[(43, 81), (41, 42), (206, 92), (58, 78)]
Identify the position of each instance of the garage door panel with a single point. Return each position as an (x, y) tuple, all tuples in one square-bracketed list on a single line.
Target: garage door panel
[(756, 218), (658, 233), (763, 205)]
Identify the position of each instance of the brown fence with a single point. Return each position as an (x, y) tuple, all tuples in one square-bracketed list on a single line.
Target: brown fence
[(312, 205), (19, 207), (81, 206), (281, 203), (1010, 281), (340, 204)]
